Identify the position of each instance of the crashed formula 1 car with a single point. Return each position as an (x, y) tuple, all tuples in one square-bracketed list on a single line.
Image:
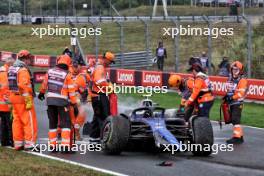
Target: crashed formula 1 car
[(153, 123)]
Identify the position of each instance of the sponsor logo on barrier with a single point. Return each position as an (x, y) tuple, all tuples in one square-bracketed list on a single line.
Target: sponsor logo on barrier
[(39, 77), (256, 90), (151, 78), (125, 76), (42, 61), (219, 85), (5, 55)]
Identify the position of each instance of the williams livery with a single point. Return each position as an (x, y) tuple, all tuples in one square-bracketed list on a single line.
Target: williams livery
[(156, 126)]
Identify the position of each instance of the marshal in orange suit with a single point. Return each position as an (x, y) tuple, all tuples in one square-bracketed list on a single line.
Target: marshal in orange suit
[(21, 97)]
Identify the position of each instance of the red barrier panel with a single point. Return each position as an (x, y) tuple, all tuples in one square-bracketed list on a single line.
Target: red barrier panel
[(152, 78), (256, 89), (5, 54)]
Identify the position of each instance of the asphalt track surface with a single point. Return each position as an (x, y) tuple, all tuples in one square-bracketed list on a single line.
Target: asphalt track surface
[(246, 159)]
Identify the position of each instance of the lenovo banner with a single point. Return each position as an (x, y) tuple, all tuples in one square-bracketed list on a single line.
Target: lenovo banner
[(41, 61), (39, 77), (256, 89), (126, 77), (5, 54), (151, 78)]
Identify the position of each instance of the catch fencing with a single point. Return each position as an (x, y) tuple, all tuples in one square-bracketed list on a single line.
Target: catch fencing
[(142, 33)]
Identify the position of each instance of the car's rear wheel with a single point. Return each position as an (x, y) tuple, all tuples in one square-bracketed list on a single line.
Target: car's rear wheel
[(203, 136), (115, 134)]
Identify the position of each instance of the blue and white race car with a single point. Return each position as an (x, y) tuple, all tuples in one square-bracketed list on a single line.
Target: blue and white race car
[(150, 124)]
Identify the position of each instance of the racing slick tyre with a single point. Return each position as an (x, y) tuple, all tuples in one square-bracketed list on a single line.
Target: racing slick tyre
[(203, 135), (115, 134)]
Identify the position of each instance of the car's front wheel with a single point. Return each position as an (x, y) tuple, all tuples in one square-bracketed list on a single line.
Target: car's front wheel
[(203, 136), (115, 134)]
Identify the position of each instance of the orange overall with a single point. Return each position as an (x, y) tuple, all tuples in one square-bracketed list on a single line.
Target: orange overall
[(4, 90), (6, 124), (24, 115), (238, 89), (81, 81)]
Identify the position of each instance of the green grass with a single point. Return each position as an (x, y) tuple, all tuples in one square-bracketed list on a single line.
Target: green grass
[(19, 163), (175, 10), (252, 113), (15, 38)]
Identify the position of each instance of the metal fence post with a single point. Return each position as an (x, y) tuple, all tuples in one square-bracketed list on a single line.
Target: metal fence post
[(210, 48), (147, 39), (96, 45), (96, 39), (78, 44), (72, 36), (249, 46), (121, 42), (81, 51), (209, 44), (146, 26), (176, 45)]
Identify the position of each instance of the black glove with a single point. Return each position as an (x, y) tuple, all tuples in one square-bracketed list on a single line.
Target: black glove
[(41, 96), (228, 98), (84, 95), (76, 110)]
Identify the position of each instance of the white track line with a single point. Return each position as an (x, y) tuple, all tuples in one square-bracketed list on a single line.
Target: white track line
[(242, 125), (78, 164), (74, 163), (253, 127)]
